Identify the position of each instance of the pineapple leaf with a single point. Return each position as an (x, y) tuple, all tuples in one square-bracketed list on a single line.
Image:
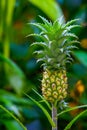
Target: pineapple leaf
[(45, 20), (68, 52), (72, 26), (57, 42), (71, 22), (35, 35), (62, 39), (69, 59), (71, 47), (74, 41), (38, 52), (69, 62), (38, 35), (43, 44), (39, 25), (44, 65), (70, 35), (61, 20), (58, 22), (40, 59), (61, 50), (70, 42)]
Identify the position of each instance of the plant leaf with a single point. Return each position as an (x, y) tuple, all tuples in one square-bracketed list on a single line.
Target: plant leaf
[(50, 7), (42, 99), (82, 57), (73, 26), (14, 125), (15, 75), (44, 20), (71, 109), (70, 22), (3, 108), (70, 35), (43, 109), (39, 25), (43, 44), (73, 121)]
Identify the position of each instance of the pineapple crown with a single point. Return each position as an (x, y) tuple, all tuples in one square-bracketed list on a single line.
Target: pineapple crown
[(57, 42)]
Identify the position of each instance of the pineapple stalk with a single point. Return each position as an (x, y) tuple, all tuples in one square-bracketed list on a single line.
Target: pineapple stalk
[(56, 45), (54, 117)]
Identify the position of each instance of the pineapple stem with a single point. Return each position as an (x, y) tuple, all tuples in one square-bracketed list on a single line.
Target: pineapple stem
[(54, 117)]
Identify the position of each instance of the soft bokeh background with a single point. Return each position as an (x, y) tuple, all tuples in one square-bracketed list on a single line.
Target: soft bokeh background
[(19, 71)]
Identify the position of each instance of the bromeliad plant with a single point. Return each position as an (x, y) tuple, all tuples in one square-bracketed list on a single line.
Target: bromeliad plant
[(56, 46)]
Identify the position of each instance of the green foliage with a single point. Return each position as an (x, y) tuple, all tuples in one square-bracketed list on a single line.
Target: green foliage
[(15, 75), (16, 60), (13, 116), (49, 7), (43, 100), (71, 109), (82, 57), (73, 121), (43, 109), (56, 36), (13, 125)]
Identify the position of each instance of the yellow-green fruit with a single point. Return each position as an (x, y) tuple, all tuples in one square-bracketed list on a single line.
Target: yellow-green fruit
[(54, 85)]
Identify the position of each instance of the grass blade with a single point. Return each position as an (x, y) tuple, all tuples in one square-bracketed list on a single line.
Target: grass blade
[(12, 115), (42, 99), (73, 121), (71, 109), (43, 109)]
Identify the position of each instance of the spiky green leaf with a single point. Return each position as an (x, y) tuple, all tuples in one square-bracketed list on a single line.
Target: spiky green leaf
[(43, 109), (42, 44), (39, 25), (57, 42), (73, 121), (68, 35), (44, 20), (71, 47), (70, 22), (72, 26), (34, 35)]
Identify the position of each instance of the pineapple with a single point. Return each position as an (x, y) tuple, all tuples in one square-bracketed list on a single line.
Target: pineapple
[(55, 51), (54, 85)]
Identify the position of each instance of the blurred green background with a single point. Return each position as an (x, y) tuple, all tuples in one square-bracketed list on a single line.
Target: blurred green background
[(19, 71)]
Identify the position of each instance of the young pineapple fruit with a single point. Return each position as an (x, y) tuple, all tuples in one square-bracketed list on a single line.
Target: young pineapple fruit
[(56, 45)]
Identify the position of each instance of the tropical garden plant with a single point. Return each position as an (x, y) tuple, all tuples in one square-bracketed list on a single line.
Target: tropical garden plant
[(56, 44), (51, 84)]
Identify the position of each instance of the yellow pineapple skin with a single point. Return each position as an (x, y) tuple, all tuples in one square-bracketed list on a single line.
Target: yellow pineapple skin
[(54, 85)]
